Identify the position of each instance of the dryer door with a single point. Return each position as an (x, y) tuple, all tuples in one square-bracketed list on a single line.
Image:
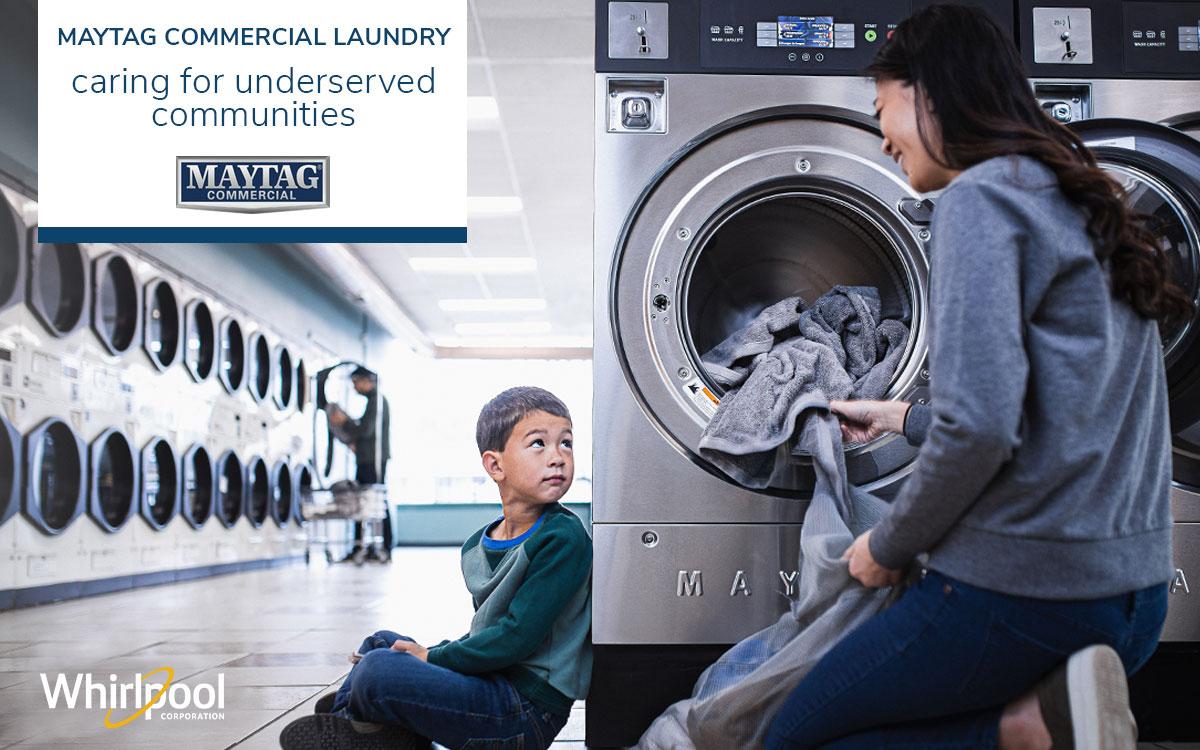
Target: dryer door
[(1159, 167), (783, 202)]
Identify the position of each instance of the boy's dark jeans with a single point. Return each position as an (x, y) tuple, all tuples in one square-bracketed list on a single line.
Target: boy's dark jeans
[(452, 709), (935, 669)]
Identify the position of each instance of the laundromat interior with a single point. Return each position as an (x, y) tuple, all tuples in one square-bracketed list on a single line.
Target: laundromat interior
[(644, 179)]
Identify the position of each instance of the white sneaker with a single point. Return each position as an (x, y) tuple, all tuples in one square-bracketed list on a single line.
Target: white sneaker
[(1085, 702)]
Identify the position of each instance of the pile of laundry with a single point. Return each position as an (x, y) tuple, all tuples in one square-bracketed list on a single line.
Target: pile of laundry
[(785, 366), (838, 347)]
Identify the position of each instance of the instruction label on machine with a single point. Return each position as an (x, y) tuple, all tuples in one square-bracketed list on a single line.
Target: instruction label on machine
[(1127, 142), (701, 396)]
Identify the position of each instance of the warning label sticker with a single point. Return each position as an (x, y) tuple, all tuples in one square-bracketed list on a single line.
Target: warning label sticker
[(701, 396)]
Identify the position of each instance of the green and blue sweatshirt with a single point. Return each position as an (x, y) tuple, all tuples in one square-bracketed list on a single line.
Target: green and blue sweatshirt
[(533, 611)]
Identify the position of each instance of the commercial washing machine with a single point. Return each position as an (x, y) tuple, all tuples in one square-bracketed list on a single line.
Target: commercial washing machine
[(737, 164)]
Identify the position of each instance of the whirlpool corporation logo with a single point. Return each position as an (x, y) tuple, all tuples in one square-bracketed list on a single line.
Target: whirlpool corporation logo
[(252, 184), (123, 702)]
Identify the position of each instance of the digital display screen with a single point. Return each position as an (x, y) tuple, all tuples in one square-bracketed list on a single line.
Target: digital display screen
[(806, 31)]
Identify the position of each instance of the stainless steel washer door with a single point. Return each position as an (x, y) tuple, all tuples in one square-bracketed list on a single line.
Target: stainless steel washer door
[(1159, 168), (780, 203)]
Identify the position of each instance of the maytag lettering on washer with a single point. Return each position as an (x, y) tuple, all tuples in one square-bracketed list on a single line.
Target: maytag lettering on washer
[(252, 184)]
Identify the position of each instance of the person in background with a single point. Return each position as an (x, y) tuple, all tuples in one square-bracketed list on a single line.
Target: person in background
[(369, 437)]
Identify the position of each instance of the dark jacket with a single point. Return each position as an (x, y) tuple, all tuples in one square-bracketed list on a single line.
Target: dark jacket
[(370, 435)]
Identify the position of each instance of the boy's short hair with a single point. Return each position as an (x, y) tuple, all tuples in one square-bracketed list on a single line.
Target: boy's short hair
[(500, 415), (362, 373)]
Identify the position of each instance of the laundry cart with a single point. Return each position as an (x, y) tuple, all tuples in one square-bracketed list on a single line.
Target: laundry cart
[(332, 512)]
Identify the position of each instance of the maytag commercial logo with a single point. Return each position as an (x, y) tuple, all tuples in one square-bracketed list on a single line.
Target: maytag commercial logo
[(252, 184)]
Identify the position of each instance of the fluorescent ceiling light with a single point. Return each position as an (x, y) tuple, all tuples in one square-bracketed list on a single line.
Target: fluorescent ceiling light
[(482, 110), (513, 342), (511, 264), (502, 329), (493, 205), (492, 305)]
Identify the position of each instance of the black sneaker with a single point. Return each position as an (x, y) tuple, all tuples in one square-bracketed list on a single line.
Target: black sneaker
[(1085, 702), (329, 732), (324, 704)]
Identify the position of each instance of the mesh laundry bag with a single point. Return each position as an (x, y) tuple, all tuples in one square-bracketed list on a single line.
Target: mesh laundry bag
[(736, 698)]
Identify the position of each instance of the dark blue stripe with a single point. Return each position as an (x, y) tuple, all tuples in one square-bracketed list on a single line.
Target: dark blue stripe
[(455, 235)]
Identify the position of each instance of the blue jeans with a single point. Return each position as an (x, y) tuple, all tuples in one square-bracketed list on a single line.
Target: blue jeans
[(935, 669), (452, 709)]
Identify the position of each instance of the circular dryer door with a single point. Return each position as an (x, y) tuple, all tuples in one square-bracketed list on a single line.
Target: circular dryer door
[(58, 286), (233, 356), (114, 480), (160, 484), (231, 483), (305, 478), (1159, 167), (161, 338), (283, 386), (11, 470), (12, 256), (788, 202), (258, 502), (200, 340), (260, 367), (54, 467), (116, 303), (301, 385), (198, 486), (282, 493)]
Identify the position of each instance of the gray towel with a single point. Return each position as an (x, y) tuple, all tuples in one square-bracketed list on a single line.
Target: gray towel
[(736, 698), (835, 348), (730, 361)]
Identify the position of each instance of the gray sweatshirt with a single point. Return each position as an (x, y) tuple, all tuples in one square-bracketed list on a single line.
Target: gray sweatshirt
[(1045, 461)]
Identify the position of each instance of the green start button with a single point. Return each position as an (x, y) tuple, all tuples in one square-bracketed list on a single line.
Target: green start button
[(870, 36)]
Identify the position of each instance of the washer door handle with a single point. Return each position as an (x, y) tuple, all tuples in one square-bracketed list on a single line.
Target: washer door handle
[(918, 211)]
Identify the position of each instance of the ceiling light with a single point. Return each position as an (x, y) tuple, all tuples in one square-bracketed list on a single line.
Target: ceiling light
[(493, 205), (516, 264), (482, 111), (492, 305), (502, 329)]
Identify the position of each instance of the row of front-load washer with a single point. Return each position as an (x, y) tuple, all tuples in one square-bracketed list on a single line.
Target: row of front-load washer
[(127, 390)]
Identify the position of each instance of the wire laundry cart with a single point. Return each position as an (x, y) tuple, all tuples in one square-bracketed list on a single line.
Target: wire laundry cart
[(329, 514)]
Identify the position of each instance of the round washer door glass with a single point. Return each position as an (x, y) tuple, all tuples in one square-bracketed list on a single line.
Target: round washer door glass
[(260, 367), (160, 483), (116, 314), (58, 286), (233, 355), (200, 340), (11, 251), (1176, 230), (162, 324), (58, 474), (114, 480), (198, 486)]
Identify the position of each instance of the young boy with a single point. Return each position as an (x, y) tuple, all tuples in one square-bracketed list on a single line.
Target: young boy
[(511, 680)]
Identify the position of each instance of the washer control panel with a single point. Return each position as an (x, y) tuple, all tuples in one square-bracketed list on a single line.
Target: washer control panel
[(1111, 38), (796, 36)]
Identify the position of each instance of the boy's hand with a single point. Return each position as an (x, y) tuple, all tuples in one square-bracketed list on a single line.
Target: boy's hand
[(355, 657), (409, 647)]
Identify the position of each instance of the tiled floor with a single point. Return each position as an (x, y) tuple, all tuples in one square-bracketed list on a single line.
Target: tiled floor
[(279, 637)]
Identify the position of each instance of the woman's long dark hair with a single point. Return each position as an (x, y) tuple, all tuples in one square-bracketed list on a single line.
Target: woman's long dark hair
[(966, 68)]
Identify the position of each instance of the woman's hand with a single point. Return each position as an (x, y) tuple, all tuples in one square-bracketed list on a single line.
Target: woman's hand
[(415, 649), (863, 567), (863, 421)]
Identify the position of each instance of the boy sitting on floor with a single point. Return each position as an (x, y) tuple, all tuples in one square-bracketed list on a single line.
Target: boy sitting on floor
[(528, 656)]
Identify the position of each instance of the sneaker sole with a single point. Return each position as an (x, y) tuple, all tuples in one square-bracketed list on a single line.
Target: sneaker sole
[(1099, 698)]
